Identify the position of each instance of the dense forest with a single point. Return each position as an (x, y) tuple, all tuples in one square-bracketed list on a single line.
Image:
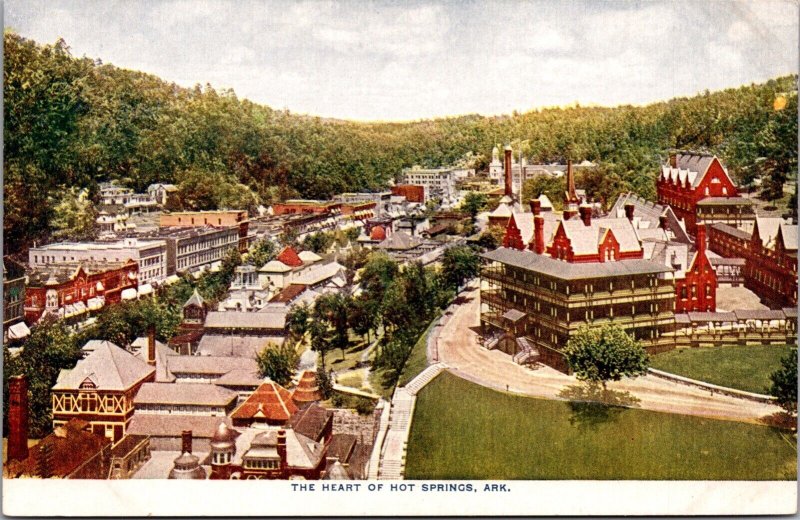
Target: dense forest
[(71, 123)]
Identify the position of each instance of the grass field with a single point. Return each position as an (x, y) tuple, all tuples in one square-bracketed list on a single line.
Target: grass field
[(464, 431), (743, 367)]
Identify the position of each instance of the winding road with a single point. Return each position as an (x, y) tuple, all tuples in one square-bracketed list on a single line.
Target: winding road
[(456, 345)]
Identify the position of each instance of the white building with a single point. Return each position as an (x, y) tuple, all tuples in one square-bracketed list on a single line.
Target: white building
[(438, 182), (151, 255)]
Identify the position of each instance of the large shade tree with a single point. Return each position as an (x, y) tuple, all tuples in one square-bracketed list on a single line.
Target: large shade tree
[(605, 353)]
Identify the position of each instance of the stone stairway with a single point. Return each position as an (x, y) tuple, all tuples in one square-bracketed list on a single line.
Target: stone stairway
[(424, 377), (395, 443)]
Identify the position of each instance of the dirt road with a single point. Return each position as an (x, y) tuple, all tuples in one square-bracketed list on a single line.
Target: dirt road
[(459, 349)]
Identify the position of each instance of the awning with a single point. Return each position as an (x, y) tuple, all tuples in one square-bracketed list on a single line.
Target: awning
[(80, 308), (171, 279), (18, 331), (95, 303), (129, 294), (145, 289), (69, 311)]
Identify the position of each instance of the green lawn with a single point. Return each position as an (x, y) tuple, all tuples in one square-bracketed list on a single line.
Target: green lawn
[(464, 431), (743, 367)]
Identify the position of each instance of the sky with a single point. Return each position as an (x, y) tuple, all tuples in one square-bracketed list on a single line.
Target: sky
[(389, 60)]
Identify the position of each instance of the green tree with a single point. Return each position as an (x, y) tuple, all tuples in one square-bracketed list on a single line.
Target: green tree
[(297, 320), (606, 353), (377, 274), (784, 382), (277, 362), (320, 339), (49, 349), (460, 264), (332, 308), (74, 216), (324, 383), (473, 204), (261, 252)]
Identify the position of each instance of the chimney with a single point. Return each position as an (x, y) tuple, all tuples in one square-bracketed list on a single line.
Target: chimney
[(568, 214), (572, 196), (586, 214), (538, 234), (17, 418), (700, 240), (186, 441), (282, 449), (507, 170), (536, 206), (629, 208), (151, 345)]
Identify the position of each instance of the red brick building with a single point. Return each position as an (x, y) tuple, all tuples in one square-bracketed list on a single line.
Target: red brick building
[(728, 241), (697, 290), (305, 207), (771, 267), (66, 289), (698, 187), (412, 192)]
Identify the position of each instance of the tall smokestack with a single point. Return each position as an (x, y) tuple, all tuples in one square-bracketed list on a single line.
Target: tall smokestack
[(151, 345), (186, 441), (629, 208), (586, 214), (282, 449), (507, 170), (17, 418), (538, 234), (572, 196)]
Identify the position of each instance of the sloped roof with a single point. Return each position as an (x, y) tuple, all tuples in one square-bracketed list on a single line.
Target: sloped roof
[(208, 364), (200, 394), (245, 320), (275, 266), (768, 228), (560, 269), (240, 377), (789, 234), (168, 425), (311, 421), (501, 211), (307, 390), (309, 256), (586, 239), (318, 274), (302, 452), (399, 240), (230, 345), (195, 299), (341, 446), (109, 367), (270, 401), (289, 257)]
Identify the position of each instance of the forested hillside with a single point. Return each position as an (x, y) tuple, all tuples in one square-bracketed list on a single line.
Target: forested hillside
[(75, 122)]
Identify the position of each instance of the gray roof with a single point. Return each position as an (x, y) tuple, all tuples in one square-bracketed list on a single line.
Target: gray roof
[(560, 269), (229, 345), (712, 316), (318, 274), (724, 201), (199, 394), (399, 240), (240, 377), (514, 315), (208, 364), (733, 231), (168, 425), (195, 299), (246, 320), (760, 314), (108, 366)]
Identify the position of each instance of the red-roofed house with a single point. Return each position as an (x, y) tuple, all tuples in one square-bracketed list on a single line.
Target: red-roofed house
[(289, 257), (269, 404)]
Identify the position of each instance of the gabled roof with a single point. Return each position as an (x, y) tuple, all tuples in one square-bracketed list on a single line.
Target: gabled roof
[(245, 320), (311, 421), (168, 425), (210, 365), (307, 390), (318, 274), (309, 256), (108, 367), (275, 266), (399, 240), (768, 229), (692, 167), (789, 235), (586, 239), (501, 211), (199, 394), (289, 257), (269, 402), (194, 300)]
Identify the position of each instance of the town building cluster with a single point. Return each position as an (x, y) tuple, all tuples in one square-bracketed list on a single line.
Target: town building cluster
[(653, 268)]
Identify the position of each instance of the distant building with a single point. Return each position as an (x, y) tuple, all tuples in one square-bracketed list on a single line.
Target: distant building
[(412, 193), (150, 255), (163, 194), (216, 219), (304, 206), (770, 269), (74, 288), (13, 300)]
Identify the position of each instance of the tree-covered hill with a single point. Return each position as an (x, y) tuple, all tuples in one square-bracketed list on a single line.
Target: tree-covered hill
[(75, 122)]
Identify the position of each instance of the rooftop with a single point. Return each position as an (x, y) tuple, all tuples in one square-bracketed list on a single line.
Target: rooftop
[(270, 402), (200, 394), (107, 367)]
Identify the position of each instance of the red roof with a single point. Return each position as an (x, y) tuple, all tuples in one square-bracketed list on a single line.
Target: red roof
[(270, 402), (378, 233), (307, 390), (289, 293), (289, 257)]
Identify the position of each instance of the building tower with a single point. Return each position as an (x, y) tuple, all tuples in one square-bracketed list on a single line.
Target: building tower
[(17, 418), (496, 167), (507, 171), (571, 200), (223, 447), (187, 466)]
